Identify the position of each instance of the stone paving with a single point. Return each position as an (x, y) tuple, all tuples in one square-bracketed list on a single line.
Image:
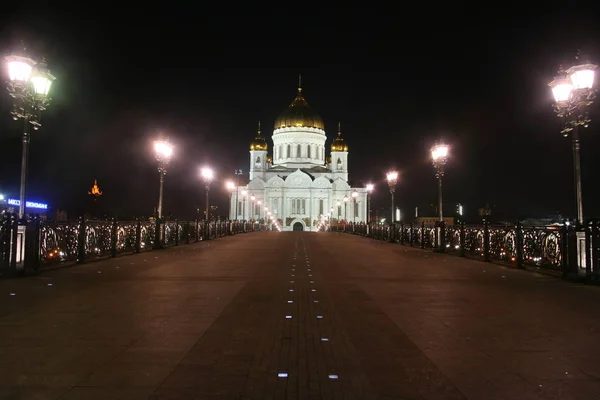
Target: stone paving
[(297, 316)]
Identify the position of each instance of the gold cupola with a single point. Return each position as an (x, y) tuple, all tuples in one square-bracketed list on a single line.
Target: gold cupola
[(338, 143), (299, 114), (259, 143)]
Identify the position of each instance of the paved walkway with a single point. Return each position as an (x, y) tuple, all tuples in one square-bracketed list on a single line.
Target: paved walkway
[(336, 316)]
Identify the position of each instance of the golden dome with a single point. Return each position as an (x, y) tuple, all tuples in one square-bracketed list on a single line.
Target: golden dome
[(338, 143), (328, 160), (269, 160), (259, 143), (299, 114)]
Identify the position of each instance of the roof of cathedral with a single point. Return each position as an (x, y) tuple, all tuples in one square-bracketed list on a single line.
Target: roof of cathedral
[(299, 114), (259, 142), (338, 143)]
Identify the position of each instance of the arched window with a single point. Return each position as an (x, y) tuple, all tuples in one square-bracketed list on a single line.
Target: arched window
[(289, 151), (258, 160), (308, 151), (298, 151), (280, 151), (339, 163)]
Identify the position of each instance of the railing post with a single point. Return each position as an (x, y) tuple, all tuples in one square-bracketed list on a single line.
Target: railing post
[(486, 240), (81, 241), (463, 245), (570, 265), (176, 232), (411, 232), (138, 237), (423, 234), (113, 238), (519, 244)]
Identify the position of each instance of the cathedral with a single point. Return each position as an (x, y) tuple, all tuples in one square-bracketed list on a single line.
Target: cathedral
[(300, 183)]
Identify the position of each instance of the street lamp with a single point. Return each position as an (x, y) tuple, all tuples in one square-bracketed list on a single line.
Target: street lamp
[(29, 87), (370, 188), (439, 155), (346, 209), (392, 180), (244, 194), (574, 92), (163, 151), (207, 175), (230, 186), (354, 196)]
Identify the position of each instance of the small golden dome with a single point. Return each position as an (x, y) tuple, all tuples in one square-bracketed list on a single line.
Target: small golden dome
[(338, 143), (299, 114), (259, 143), (269, 160), (328, 159)]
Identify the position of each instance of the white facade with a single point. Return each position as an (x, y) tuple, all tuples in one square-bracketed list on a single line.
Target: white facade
[(298, 185)]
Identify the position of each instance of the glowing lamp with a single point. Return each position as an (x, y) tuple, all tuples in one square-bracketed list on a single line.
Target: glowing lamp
[(561, 89), (346, 199), (41, 81), (582, 76), (354, 194), (207, 174), (370, 187), (230, 186), (392, 176), (163, 150), (439, 152), (19, 68)]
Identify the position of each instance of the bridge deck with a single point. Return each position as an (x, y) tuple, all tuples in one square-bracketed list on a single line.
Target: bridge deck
[(208, 320)]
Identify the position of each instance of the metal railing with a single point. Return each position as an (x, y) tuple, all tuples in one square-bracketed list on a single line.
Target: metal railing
[(34, 244), (554, 248)]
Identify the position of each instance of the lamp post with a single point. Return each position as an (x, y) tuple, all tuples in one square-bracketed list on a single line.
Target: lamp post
[(163, 151), (346, 209), (29, 86), (207, 175), (392, 180), (354, 196), (574, 92), (244, 194), (252, 199), (230, 186), (370, 188), (237, 172), (259, 203), (439, 155)]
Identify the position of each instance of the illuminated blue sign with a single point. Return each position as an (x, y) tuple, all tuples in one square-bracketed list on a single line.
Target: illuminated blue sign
[(28, 204)]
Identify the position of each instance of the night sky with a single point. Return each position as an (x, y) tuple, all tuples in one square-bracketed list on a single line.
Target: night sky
[(476, 79)]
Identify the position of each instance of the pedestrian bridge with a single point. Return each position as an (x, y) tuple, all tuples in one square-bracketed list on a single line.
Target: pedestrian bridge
[(297, 315)]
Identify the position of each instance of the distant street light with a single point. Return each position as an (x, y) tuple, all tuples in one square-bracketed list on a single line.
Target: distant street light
[(230, 186), (163, 151), (208, 176), (354, 196), (392, 180), (29, 87), (574, 92), (370, 188), (439, 155)]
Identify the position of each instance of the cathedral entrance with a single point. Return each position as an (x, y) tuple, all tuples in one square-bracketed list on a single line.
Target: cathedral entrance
[(298, 226)]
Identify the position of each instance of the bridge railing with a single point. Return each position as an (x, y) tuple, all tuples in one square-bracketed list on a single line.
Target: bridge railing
[(556, 248), (34, 244)]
